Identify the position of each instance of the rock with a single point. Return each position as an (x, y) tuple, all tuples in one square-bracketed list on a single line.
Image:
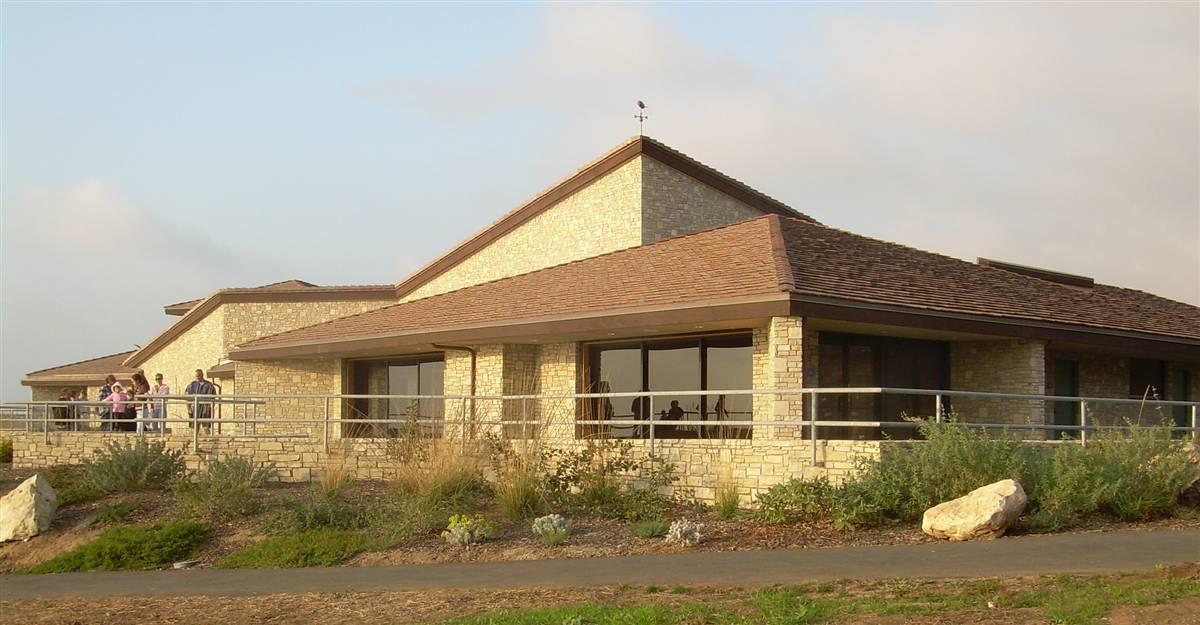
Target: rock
[(186, 564), (27, 510), (983, 513)]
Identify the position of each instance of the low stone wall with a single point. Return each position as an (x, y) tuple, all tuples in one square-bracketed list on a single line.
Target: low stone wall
[(751, 465)]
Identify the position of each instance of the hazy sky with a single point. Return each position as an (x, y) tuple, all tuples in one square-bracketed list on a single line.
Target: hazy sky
[(155, 152)]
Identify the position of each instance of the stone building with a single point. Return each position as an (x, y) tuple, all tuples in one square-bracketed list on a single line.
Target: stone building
[(647, 270)]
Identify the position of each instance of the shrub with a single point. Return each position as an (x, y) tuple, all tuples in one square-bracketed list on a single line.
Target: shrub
[(795, 501), (726, 499), (323, 547), (518, 490), (224, 490), (439, 471), (553, 529), (684, 532), (6, 450), (651, 528), (127, 467), (114, 513), (130, 548), (68, 482), (468, 530), (320, 509), (605, 479)]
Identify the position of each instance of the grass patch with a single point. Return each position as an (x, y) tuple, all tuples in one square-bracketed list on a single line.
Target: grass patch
[(651, 528), (1069, 600), (131, 548), (113, 513), (726, 500), (323, 547)]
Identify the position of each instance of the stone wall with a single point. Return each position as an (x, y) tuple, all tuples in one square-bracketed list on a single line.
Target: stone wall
[(200, 347), (246, 321), (751, 465), (602, 217), (674, 203), (1002, 366), (291, 377)]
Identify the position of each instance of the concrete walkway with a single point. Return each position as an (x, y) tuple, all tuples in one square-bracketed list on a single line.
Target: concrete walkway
[(1026, 555)]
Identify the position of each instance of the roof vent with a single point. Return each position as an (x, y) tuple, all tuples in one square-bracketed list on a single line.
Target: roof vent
[(1041, 274)]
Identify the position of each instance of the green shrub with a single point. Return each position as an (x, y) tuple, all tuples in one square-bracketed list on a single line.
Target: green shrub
[(795, 501), (68, 482), (224, 490), (114, 513), (131, 548), (651, 528), (605, 479), (127, 467), (319, 509), (6, 450), (323, 547), (519, 492)]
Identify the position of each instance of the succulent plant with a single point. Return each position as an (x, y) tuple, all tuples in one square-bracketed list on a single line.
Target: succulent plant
[(468, 530)]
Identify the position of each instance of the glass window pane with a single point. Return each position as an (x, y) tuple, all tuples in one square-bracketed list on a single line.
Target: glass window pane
[(403, 380), (432, 382), (618, 369), (730, 366), (675, 366)]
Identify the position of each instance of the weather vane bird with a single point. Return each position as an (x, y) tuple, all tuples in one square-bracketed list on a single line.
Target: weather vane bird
[(641, 116)]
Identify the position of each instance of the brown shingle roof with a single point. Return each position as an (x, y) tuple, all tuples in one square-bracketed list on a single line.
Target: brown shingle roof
[(827, 262), (82, 371), (762, 258), (735, 261)]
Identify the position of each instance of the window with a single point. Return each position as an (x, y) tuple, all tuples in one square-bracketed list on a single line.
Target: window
[(1146, 378), (717, 362), (854, 360), (417, 375), (1178, 390)]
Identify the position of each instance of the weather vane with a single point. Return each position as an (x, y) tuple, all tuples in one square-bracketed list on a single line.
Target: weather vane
[(641, 117)]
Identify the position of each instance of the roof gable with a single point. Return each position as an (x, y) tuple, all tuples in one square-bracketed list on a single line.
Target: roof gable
[(609, 162), (92, 369)]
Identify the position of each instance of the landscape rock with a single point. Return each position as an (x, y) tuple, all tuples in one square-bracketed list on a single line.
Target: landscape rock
[(28, 509), (983, 513)]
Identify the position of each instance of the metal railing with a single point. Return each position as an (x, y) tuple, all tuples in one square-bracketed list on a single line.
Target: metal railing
[(584, 415)]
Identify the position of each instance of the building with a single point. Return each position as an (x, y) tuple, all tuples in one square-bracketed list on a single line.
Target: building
[(649, 271)]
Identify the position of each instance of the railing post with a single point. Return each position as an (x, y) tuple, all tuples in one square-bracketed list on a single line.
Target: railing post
[(29, 417), (325, 427), (1083, 424), (812, 426), (650, 417), (1195, 432), (195, 424), (46, 422), (937, 408)]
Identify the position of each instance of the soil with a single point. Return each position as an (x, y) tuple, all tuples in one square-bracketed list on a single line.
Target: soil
[(402, 607)]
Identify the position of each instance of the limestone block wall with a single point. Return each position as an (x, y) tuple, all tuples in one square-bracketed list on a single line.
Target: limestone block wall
[(674, 203), (246, 321), (292, 377), (1108, 375), (200, 347), (601, 217), (785, 370), (1004, 366)]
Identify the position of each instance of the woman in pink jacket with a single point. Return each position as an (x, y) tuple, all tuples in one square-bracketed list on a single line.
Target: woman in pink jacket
[(118, 398)]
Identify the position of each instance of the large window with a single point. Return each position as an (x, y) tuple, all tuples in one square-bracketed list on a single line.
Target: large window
[(853, 360), (417, 375), (700, 363)]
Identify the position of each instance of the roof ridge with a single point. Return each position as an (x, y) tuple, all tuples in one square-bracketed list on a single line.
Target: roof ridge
[(779, 253), (80, 362), (519, 275)]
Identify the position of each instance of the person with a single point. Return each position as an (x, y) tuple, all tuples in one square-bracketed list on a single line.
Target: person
[(200, 410), (119, 400), (106, 413), (159, 408), (138, 410), (82, 410), (62, 412), (675, 413)]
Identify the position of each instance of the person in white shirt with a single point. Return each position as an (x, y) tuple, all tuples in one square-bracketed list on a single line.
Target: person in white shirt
[(159, 410)]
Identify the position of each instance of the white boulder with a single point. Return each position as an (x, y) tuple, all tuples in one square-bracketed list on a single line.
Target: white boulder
[(983, 513), (27, 509)]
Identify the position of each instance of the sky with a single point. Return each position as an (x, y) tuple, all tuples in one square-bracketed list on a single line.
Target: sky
[(153, 153)]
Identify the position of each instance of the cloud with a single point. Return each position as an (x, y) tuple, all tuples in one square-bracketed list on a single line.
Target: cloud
[(86, 270), (1062, 136)]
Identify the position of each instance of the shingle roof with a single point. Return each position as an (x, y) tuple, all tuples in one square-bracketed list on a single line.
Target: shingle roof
[(765, 256), (84, 369), (735, 261)]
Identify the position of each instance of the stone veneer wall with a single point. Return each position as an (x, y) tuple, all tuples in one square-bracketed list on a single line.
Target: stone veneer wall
[(1107, 375), (1003, 366), (291, 377), (674, 203), (602, 217), (246, 321)]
